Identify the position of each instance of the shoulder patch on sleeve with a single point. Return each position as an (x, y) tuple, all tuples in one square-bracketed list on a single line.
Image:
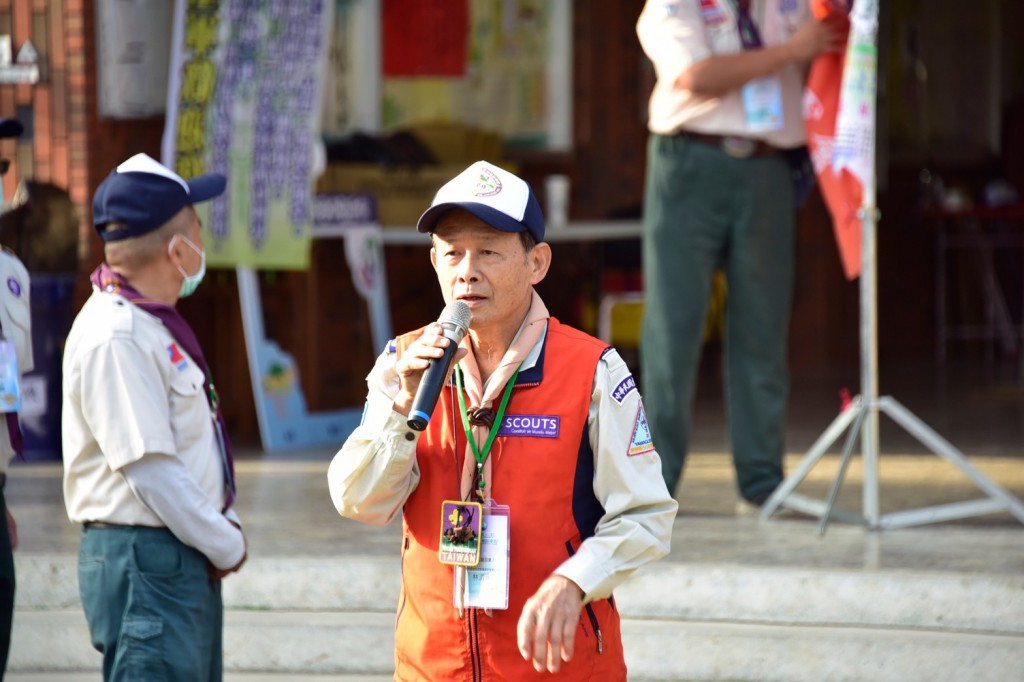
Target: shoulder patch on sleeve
[(624, 388), (640, 443)]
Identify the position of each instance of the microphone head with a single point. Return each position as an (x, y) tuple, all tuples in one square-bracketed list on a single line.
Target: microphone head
[(456, 314)]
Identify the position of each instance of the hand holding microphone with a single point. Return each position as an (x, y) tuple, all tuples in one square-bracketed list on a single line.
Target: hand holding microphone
[(454, 322)]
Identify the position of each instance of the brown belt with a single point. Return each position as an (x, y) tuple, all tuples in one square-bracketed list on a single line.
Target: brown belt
[(103, 525), (733, 145)]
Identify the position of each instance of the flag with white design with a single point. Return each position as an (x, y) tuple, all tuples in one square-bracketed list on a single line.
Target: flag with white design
[(839, 114)]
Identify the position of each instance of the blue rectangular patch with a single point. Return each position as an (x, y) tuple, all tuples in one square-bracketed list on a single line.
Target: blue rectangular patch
[(540, 426), (625, 387)]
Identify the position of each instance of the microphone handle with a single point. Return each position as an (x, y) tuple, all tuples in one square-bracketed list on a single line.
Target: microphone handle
[(429, 389)]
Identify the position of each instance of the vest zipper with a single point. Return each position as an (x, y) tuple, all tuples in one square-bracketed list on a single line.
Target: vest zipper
[(596, 627), (474, 645), (591, 616), (401, 604)]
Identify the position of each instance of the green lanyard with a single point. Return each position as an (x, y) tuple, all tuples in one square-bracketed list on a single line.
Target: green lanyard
[(478, 454)]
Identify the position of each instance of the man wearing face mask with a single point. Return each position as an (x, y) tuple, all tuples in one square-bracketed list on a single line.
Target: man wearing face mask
[(147, 463)]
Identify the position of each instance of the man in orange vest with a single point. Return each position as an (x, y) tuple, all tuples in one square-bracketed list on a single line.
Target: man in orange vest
[(532, 489)]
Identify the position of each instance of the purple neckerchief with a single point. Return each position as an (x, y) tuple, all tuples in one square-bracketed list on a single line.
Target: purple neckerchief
[(105, 279), (749, 35), (14, 426)]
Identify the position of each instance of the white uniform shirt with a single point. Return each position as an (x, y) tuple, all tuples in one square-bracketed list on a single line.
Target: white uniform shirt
[(376, 470), (675, 35), (131, 391), (16, 318)]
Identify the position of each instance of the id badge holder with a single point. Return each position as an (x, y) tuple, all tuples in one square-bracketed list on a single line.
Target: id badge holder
[(10, 386), (460, 533), (486, 585), (762, 104)]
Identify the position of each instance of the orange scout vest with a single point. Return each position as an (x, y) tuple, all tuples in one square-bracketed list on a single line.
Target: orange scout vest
[(546, 477)]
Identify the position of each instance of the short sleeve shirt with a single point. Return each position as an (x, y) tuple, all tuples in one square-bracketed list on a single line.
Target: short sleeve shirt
[(129, 389), (16, 321), (676, 35)]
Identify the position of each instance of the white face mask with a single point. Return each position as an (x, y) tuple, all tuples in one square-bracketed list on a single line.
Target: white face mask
[(190, 282)]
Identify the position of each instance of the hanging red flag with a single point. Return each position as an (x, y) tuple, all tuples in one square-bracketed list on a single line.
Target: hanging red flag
[(842, 191)]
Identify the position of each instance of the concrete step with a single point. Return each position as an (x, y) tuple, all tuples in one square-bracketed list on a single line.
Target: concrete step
[(682, 621), (673, 651), (280, 641), (305, 644), (666, 590), (799, 596)]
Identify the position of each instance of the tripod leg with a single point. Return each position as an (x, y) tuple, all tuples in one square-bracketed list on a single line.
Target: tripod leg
[(943, 448), (824, 442), (833, 491)]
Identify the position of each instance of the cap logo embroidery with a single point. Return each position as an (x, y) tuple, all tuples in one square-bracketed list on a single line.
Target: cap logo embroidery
[(487, 185), (14, 286)]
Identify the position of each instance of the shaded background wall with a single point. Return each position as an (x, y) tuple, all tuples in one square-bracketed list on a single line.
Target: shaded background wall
[(951, 102)]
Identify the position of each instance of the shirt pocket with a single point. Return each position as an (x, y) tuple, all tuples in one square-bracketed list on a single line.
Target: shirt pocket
[(190, 410)]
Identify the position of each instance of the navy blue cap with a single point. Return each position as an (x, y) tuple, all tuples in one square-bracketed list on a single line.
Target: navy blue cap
[(142, 195), (499, 198)]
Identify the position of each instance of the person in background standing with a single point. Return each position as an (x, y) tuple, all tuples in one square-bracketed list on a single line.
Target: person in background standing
[(16, 359), (147, 463), (724, 114)]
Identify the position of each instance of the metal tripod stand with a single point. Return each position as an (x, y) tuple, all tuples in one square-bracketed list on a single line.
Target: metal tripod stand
[(861, 416)]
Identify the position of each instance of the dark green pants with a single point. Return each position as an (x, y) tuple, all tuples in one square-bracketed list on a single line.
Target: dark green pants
[(152, 611), (705, 210), (6, 585)]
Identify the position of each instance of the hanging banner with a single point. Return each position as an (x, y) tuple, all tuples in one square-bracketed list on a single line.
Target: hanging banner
[(821, 105), (834, 93), (244, 100)]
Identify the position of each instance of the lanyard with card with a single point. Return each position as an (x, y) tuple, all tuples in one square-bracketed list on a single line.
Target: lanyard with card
[(486, 585), (762, 98), (762, 104), (481, 578), (481, 453)]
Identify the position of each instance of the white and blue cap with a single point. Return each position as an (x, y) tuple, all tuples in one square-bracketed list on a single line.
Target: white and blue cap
[(502, 200), (143, 194)]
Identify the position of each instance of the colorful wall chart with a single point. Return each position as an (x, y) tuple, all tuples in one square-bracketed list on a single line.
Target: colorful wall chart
[(244, 100)]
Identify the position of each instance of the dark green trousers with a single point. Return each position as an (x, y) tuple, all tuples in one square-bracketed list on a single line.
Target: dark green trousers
[(705, 210), (152, 611), (6, 585)]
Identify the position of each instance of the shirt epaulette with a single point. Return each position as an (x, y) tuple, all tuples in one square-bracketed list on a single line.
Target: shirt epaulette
[(120, 311)]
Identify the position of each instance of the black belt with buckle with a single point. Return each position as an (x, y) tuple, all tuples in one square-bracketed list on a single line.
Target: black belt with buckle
[(734, 145)]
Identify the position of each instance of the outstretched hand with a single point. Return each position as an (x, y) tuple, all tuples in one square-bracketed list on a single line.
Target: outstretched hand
[(547, 626)]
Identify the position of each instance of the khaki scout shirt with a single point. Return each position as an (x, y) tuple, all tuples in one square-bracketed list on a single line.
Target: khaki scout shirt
[(16, 318), (675, 35)]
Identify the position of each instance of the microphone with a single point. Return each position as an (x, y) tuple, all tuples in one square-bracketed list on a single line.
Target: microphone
[(454, 321)]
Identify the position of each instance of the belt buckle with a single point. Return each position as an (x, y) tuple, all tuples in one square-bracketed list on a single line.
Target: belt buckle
[(739, 147)]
